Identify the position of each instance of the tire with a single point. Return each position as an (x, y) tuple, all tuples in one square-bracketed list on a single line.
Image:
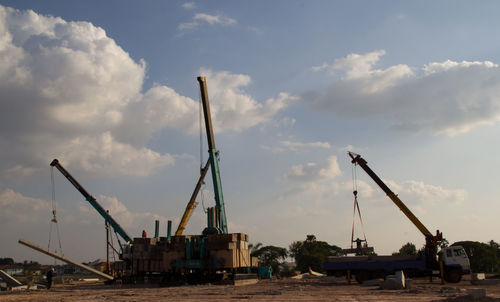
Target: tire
[(453, 275)]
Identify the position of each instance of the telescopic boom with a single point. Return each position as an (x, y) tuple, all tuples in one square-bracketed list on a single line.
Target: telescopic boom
[(91, 199)]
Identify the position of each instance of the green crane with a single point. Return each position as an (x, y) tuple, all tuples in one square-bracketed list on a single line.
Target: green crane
[(91, 199), (216, 216)]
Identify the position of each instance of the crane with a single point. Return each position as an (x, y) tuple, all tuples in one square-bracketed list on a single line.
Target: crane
[(91, 199), (216, 216), (431, 241), (452, 262)]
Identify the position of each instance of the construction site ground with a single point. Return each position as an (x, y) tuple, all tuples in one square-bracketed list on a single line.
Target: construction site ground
[(306, 289)]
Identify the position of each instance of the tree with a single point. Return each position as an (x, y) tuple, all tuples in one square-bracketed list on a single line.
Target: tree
[(254, 248), (408, 249), (484, 258), (6, 261), (271, 256), (312, 253)]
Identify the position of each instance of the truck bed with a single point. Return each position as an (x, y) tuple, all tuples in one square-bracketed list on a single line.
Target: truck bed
[(374, 263), (372, 258)]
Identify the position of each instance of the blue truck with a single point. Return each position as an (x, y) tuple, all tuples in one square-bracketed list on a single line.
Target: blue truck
[(454, 260)]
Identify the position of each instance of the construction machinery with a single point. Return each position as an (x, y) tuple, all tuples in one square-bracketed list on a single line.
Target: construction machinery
[(197, 258), (216, 216), (212, 255), (451, 263)]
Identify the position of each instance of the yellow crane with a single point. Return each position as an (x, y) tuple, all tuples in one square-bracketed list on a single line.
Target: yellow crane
[(192, 202)]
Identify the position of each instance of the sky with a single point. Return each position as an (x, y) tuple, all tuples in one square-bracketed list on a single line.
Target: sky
[(109, 88)]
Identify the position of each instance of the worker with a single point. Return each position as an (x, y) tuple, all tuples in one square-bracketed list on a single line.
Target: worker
[(49, 276), (358, 243), (144, 235)]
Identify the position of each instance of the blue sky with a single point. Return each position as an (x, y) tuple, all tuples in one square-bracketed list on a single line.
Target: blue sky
[(109, 88)]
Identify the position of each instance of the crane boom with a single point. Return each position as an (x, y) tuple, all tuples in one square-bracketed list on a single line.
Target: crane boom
[(216, 219), (192, 204), (91, 199), (357, 159)]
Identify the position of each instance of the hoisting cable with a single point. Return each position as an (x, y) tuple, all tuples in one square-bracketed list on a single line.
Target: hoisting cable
[(200, 120), (53, 221), (356, 205)]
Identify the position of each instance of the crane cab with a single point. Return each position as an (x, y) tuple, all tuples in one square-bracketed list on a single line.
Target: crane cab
[(455, 262)]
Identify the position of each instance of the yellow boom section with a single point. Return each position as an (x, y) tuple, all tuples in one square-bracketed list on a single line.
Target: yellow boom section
[(192, 202)]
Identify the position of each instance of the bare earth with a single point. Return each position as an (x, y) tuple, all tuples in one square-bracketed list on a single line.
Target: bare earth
[(308, 289)]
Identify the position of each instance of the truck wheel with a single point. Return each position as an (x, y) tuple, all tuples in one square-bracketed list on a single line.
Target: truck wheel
[(362, 276), (453, 275)]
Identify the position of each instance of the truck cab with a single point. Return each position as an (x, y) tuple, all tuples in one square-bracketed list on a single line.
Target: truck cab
[(455, 262)]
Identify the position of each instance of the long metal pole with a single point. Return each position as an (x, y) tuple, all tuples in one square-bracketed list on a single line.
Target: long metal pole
[(65, 259)]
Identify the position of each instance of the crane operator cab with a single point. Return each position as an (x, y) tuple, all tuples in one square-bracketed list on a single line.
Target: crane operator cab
[(455, 262)]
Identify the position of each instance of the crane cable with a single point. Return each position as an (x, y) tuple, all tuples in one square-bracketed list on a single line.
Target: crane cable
[(356, 205), (53, 221), (200, 117), (200, 122)]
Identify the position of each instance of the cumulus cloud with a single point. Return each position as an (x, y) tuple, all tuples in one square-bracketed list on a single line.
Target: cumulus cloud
[(232, 109), (295, 146), (31, 219), (443, 97), (421, 193), (68, 91), (189, 5), (203, 18), (235, 109), (126, 218), (16, 208), (312, 172)]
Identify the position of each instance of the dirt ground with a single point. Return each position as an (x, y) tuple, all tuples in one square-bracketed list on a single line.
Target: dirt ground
[(307, 289)]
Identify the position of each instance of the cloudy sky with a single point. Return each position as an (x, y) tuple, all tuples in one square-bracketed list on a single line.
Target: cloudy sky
[(109, 88)]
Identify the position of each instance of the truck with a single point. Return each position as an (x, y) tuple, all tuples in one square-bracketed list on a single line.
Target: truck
[(450, 262)]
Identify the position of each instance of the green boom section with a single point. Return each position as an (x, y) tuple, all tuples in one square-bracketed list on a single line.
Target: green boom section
[(219, 198), (91, 199)]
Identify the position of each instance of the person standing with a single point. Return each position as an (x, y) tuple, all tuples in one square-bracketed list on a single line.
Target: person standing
[(49, 276)]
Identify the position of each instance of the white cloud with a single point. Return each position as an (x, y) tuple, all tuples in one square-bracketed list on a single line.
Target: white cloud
[(234, 109), (68, 91), (294, 146), (444, 97), (203, 18), (189, 5), (312, 172), (108, 157), (16, 208), (126, 218), (211, 19), (31, 219), (297, 145), (421, 193)]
